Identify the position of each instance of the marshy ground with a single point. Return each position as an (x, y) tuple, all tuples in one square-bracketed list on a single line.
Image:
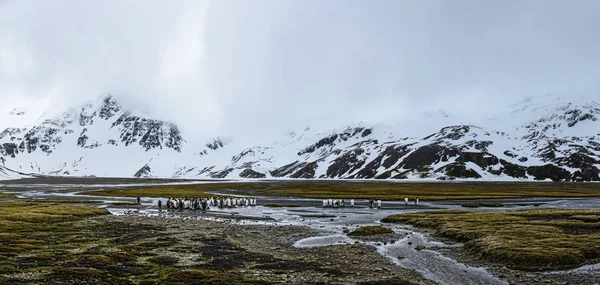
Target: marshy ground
[(58, 244), (72, 232)]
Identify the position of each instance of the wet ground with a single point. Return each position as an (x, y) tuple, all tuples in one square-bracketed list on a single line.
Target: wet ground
[(436, 262)]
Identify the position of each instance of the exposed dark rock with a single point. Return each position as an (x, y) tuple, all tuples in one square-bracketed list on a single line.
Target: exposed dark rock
[(323, 142), (483, 160), (578, 160), (307, 171), (586, 174), (523, 159), (347, 163), (109, 109), (11, 132), (576, 116), (9, 149), (249, 173), (82, 138), (510, 154), (590, 173), (479, 145), (428, 155), (513, 170), (330, 140), (549, 171), (451, 133), (149, 133), (145, 171), (221, 174), (366, 132), (394, 153), (216, 144), (288, 169), (458, 170)]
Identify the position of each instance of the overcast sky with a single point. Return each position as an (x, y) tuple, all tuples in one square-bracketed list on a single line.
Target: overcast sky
[(254, 66)]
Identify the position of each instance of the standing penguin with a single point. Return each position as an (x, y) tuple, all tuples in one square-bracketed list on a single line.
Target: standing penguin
[(378, 204), (406, 201), (351, 202), (159, 204)]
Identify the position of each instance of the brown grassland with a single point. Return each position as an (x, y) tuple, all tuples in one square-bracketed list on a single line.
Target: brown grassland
[(366, 190), (537, 239), (370, 230), (43, 243)]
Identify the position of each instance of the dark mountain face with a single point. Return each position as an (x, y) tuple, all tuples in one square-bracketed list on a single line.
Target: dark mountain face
[(91, 126)]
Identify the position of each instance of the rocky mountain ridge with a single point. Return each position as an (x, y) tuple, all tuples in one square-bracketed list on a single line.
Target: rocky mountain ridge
[(547, 138)]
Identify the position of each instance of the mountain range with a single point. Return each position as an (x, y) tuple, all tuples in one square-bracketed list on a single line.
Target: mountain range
[(549, 137)]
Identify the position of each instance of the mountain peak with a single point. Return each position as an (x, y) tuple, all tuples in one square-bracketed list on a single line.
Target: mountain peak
[(546, 137)]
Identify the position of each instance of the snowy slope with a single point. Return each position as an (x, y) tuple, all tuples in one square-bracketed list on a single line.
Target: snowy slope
[(8, 174), (545, 138)]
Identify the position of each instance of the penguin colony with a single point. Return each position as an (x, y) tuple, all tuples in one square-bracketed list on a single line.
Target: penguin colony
[(205, 203)]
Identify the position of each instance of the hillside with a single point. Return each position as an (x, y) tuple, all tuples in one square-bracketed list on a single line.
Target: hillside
[(544, 138)]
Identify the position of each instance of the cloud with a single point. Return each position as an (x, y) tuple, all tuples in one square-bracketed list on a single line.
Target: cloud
[(255, 68)]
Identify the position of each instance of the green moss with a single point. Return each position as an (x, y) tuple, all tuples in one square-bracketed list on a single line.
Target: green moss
[(370, 230)]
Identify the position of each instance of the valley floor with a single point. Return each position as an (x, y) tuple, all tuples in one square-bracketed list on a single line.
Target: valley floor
[(47, 237)]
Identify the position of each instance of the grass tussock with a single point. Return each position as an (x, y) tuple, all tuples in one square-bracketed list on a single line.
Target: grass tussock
[(366, 190), (370, 231), (537, 239), (24, 216), (8, 196)]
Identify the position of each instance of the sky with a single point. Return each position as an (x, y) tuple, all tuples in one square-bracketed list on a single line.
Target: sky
[(251, 68)]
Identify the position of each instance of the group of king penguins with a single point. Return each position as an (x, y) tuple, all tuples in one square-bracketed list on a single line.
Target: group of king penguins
[(336, 203), (205, 203)]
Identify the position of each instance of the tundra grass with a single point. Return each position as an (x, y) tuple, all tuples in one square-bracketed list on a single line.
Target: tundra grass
[(370, 230), (154, 192), (43, 243), (366, 190), (7, 196), (540, 239)]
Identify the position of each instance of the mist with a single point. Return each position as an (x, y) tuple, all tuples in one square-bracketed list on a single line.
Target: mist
[(252, 69)]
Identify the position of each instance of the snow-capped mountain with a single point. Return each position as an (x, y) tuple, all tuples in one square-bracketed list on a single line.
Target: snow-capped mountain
[(545, 138)]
